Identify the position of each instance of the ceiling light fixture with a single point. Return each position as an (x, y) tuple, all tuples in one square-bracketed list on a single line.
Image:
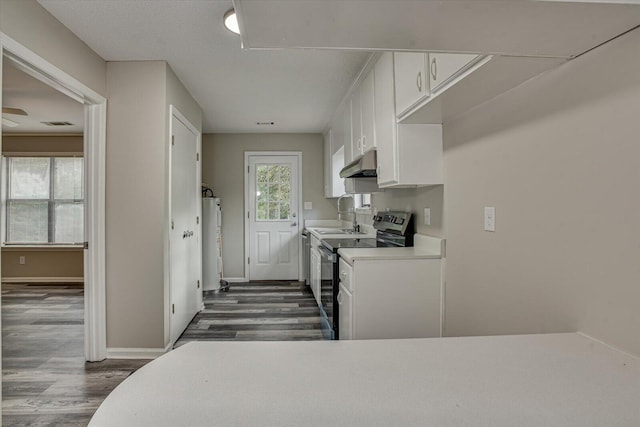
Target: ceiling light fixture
[(231, 21)]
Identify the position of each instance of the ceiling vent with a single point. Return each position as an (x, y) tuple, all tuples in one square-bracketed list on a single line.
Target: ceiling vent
[(57, 123), (265, 123)]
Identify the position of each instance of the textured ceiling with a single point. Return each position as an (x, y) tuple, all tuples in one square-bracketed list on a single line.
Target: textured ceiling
[(41, 102), (296, 89)]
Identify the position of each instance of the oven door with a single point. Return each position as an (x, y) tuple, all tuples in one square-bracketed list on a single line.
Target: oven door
[(328, 266)]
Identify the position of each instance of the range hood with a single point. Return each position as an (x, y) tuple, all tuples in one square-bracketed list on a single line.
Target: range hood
[(363, 166)]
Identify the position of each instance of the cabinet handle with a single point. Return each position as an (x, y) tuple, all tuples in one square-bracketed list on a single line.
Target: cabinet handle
[(340, 298), (364, 142), (343, 274), (419, 81), (434, 69)]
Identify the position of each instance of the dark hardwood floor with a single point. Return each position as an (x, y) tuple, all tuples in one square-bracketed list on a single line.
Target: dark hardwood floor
[(257, 311), (45, 379)]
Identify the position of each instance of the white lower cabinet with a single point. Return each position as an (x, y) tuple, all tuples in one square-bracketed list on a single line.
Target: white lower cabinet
[(345, 313), (399, 298), (314, 273)]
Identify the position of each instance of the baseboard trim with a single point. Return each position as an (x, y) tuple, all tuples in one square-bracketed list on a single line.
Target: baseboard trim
[(43, 280), (235, 279), (136, 353)]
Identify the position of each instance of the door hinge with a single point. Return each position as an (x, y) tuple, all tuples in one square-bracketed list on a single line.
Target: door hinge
[(248, 215), (172, 225), (198, 284), (86, 245), (173, 308), (248, 260), (248, 169), (197, 220), (197, 157), (173, 140)]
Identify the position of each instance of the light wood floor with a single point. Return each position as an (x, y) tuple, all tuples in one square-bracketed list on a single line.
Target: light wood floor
[(257, 311), (45, 380)]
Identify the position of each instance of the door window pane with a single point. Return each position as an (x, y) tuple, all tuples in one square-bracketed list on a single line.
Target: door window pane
[(28, 222), (273, 192), (29, 177), (69, 221), (68, 178)]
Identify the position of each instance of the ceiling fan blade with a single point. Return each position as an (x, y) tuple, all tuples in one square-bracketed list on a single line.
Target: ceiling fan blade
[(16, 111)]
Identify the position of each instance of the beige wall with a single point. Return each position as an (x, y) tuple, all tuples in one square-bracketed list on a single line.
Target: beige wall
[(558, 158), (67, 263), (31, 25), (139, 95), (414, 201), (223, 169), (135, 203), (71, 144), (46, 262)]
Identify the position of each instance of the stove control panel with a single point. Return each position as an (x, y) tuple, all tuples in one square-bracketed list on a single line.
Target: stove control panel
[(394, 222)]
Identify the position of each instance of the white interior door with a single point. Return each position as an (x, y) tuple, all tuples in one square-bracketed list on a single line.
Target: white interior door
[(273, 217), (184, 238)]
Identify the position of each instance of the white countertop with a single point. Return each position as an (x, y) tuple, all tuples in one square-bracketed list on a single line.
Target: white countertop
[(425, 247), (320, 232), (523, 380), (351, 254)]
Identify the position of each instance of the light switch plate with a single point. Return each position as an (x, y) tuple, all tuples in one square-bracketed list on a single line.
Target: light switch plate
[(308, 206), (427, 216), (489, 218)]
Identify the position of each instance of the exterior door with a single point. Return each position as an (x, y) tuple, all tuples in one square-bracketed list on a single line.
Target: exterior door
[(273, 217), (184, 238)]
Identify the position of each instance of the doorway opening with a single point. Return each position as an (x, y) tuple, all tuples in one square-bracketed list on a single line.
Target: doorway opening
[(63, 215)]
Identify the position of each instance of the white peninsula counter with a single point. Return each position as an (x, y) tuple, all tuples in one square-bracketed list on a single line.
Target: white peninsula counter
[(524, 380)]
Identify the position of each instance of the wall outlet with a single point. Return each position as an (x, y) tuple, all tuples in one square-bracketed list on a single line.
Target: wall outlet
[(308, 206), (489, 218), (427, 216), (23, 260)]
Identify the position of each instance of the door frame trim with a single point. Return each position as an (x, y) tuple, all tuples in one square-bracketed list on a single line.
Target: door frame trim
[(174, 112), (247, 239), (95, 135)]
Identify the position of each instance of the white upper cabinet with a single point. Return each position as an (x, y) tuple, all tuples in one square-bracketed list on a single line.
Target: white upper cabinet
[(385, 120), (411, 79), (408, 155), (367, 112), (443, 67), (356, 126), (362, 118), (344, 116), (334, 158), (328, 185)]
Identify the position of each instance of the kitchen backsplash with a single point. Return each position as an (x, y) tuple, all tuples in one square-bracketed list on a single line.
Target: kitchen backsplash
[(413, 200)]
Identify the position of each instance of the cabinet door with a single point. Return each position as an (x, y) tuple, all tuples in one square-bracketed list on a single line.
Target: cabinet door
[(411, 81), (345, 314), (328, 165), (367, 112), (315, 272), (385, 120), (444, 66), (356, 126), (346, 133)]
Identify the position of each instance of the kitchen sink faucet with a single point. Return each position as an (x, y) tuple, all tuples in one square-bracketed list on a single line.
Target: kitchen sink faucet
[(356, 226)]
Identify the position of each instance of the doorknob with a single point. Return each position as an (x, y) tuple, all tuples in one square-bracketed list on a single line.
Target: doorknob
[(293, 224), (293, 215)]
